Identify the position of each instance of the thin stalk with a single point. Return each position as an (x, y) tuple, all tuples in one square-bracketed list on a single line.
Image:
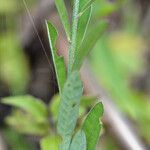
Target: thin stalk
[(72, 48)]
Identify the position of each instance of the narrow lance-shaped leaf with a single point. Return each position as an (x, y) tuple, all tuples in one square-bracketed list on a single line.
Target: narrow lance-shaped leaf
[(84, 5), (89, 42), (80, 24), (84, 18), (58, 61), (69, 105), (79, 141), (82, 27), (85, 10), (30, 104), (63, 16), (92, 126)]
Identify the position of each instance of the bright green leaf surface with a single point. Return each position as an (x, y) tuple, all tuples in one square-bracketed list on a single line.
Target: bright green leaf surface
[(82, 27), (85, 4), (58, 61), (50, 143), (89, 42), (64, 16), (69, 105), (92, 126), (30, 104), (85, 10), (53, 106), (79, 141), (80, 24)]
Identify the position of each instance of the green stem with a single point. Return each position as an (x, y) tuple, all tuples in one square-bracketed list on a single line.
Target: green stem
[(73, 36)]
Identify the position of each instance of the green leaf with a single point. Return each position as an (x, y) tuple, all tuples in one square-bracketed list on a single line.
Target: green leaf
[(58, 61), (69, 105), (81, 17), (50, 143), (84, 15), (16, 141), (53, 106), (88, 101), (89, 42), (82, 27), (79, 141), (65, 145), (85, 4), (26, 124), (30, 104), (92, 126), (64, 16)]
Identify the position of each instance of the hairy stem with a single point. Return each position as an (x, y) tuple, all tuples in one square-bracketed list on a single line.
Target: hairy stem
[(73, 35)]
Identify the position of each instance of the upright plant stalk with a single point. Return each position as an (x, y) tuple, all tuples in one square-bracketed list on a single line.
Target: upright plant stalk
[(71, 87), (73, 35)]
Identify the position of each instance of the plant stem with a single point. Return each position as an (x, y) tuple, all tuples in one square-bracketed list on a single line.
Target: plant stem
[(73, 35)]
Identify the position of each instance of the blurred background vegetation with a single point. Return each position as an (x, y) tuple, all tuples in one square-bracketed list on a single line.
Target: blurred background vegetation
[(120, 60)]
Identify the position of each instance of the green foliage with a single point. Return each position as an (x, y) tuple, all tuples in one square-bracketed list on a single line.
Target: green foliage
[(85, 4), (113, 75), (89, 42), (8, 7), (12, 58), (54, 106), (65, 145), (79, 141), (64, 16), (29, 104), (25, 123), (58, 61), (84, 18), (103, 8), (69, 105), (81, 17), (31, 115), (73, 45), (15, 140), (50, 143), (32, 120), (92, 126), (86, 102)]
